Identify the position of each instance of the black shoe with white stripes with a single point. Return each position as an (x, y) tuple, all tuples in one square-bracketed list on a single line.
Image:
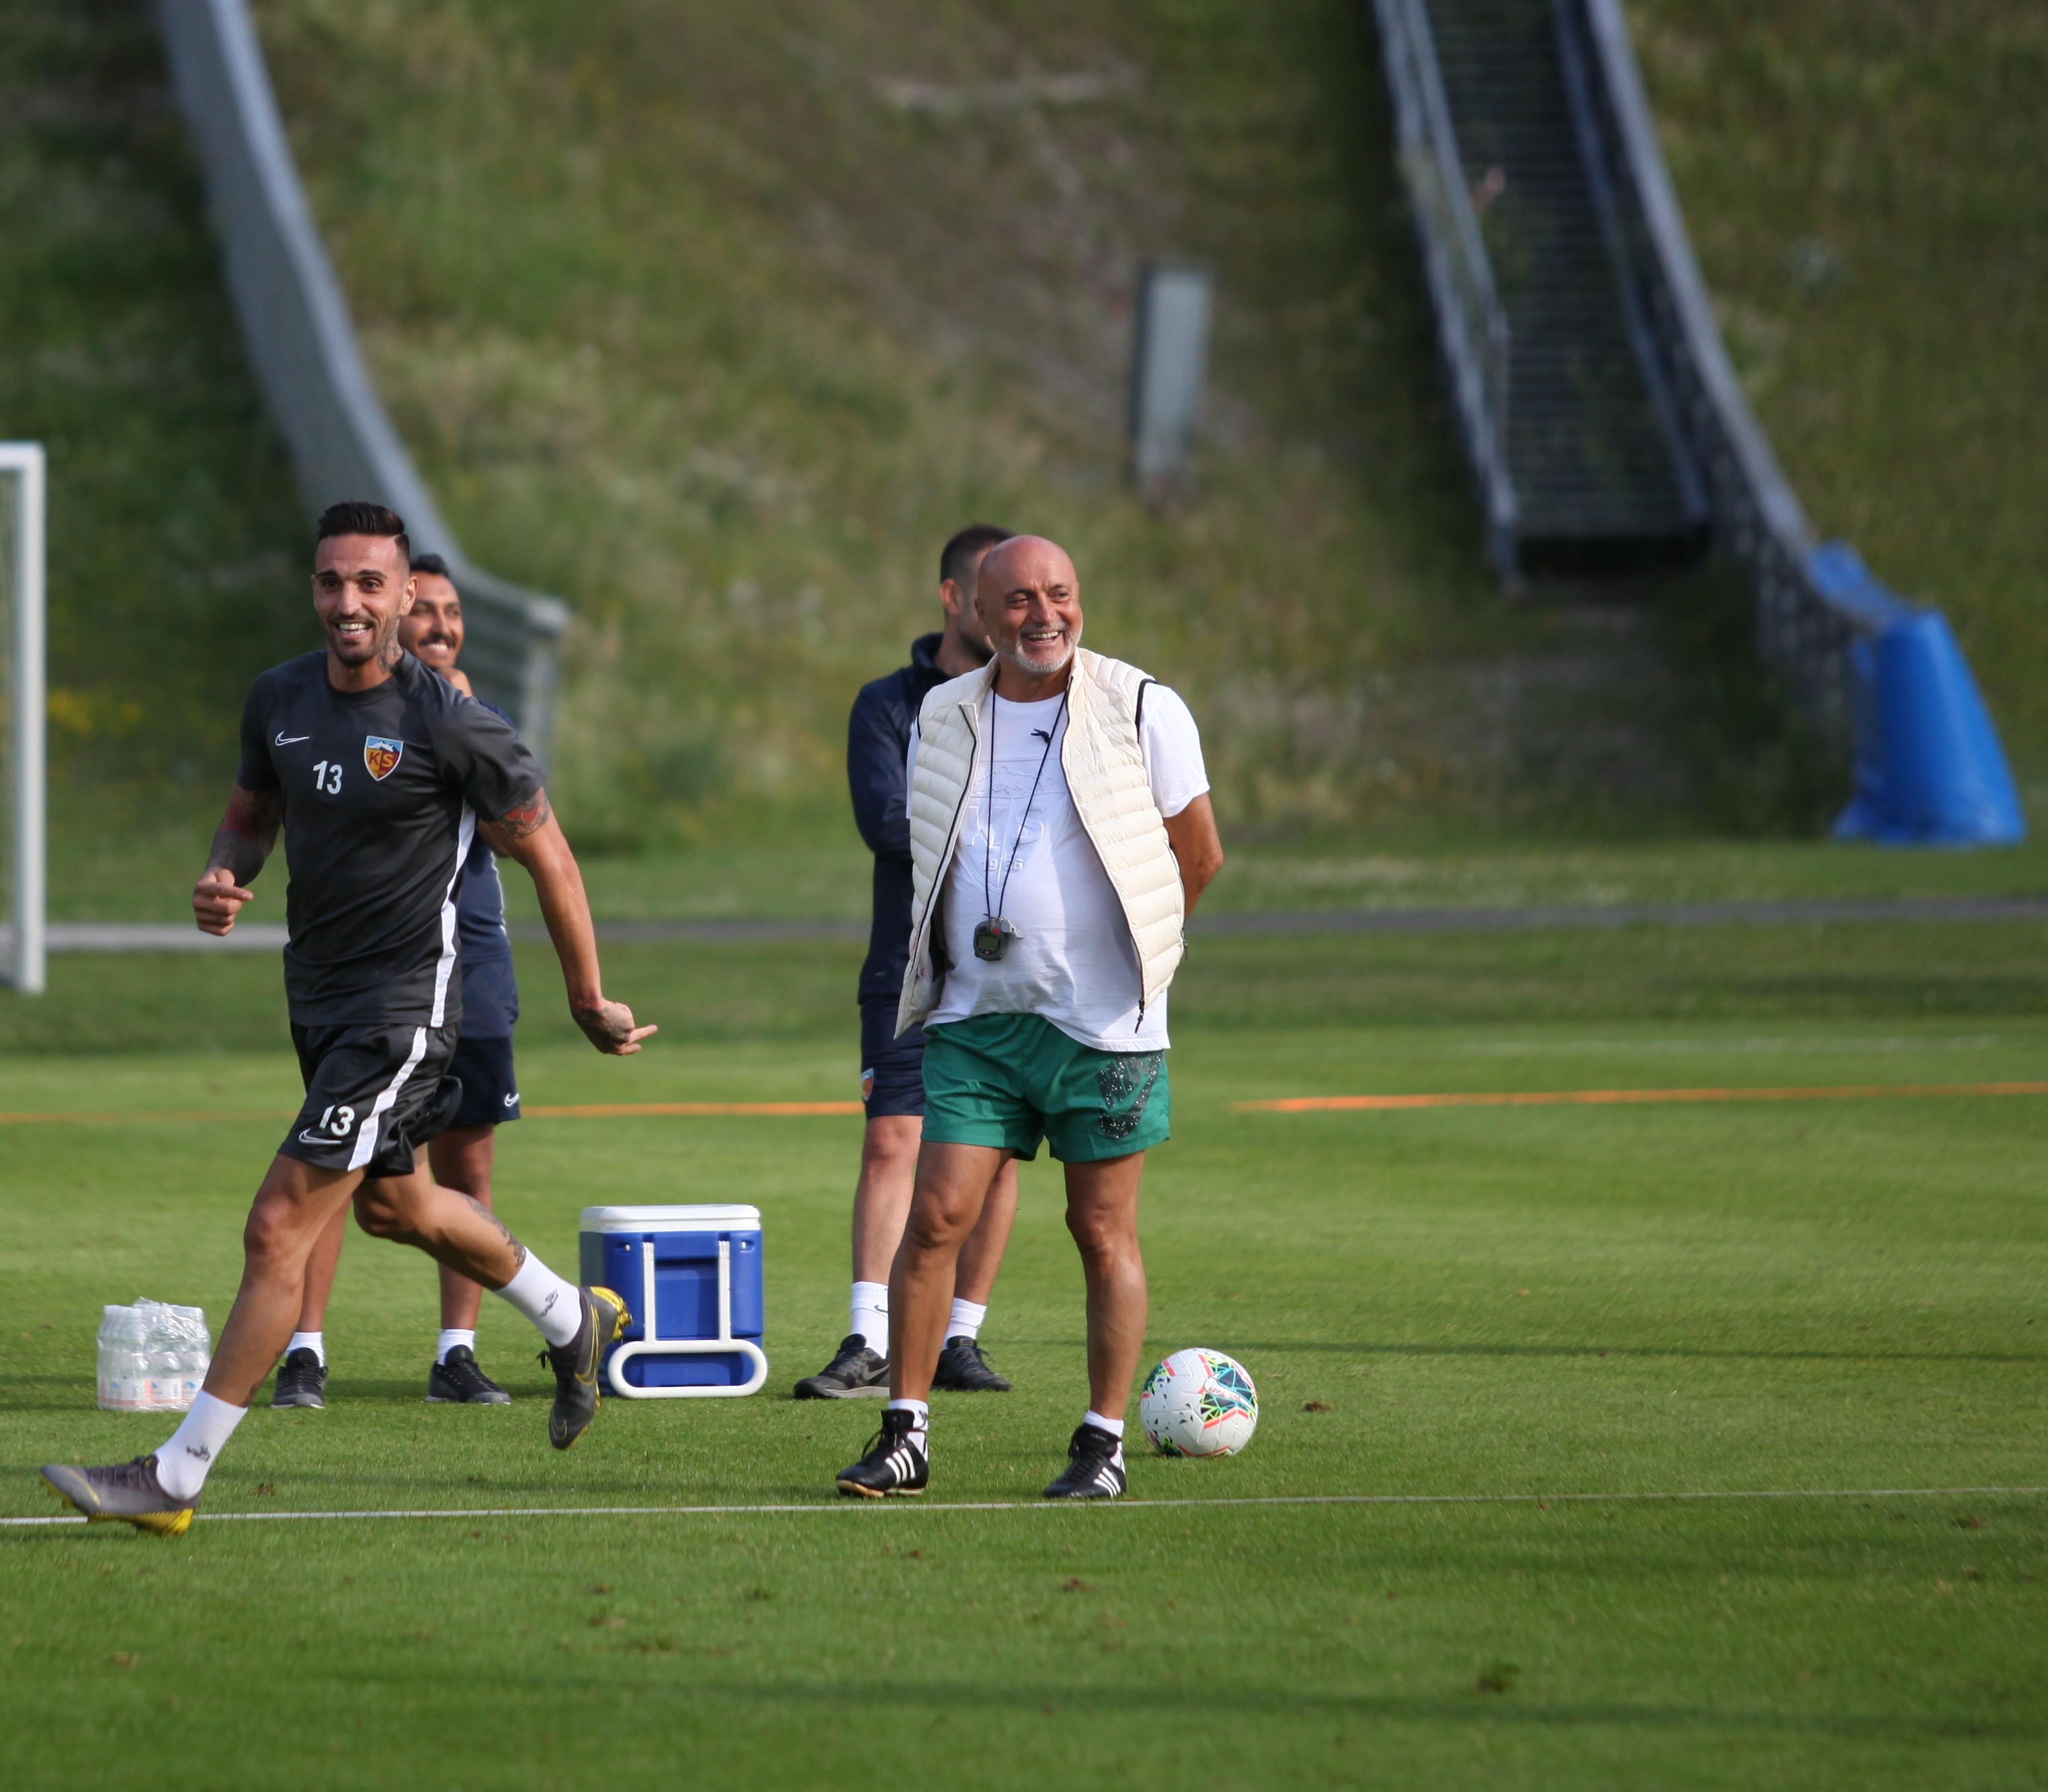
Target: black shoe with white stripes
[(963, 1370), (1095, 1466), (896, 1462)]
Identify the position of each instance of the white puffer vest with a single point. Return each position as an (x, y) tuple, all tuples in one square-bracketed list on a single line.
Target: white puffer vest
[(1104, 760)]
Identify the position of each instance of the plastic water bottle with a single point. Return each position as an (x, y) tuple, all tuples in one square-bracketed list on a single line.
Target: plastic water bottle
[(194, 1353), (153, 1358), (124, 1369)]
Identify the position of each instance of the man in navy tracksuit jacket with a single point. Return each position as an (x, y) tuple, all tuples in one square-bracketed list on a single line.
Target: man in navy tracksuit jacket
[(892, 1080)]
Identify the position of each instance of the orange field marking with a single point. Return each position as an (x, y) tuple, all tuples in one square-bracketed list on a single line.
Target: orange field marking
[(1607, 1098)]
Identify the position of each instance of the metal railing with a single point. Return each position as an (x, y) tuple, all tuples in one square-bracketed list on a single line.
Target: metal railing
[(1472, 323), (296, 325), (1803, 633)]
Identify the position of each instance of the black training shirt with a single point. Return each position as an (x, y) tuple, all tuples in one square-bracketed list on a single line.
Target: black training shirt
[(381, 789)]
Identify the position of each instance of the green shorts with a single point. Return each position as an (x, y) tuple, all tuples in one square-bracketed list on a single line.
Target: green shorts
[(1009, 1081)]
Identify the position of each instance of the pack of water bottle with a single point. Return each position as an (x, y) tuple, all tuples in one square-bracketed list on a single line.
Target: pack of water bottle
[(153, 1357)]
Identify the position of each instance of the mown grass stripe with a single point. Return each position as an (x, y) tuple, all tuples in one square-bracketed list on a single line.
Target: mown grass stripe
[(609, 1110), (1248, 1502), (1287, 1104), (1607, 1098)]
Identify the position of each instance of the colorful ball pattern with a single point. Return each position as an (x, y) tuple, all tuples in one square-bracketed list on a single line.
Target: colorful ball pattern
[(1199, 1402)]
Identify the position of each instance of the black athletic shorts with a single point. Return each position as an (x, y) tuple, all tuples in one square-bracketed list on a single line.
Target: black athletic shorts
[(489, 1085), (892, 1070), (373, 1094)]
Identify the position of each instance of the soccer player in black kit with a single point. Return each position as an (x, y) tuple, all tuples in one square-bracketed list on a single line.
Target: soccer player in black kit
[(379, 773)]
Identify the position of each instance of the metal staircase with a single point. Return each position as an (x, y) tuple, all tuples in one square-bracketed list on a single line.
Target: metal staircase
[(1599, 470), (1603, 424)]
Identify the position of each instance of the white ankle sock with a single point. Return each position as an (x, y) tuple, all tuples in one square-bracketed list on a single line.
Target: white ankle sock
[(920, 1412), (1113, 1426), (870, 1315), (450, 1339), (552, 1304), (183, 1462), (314, 1341), (967, 1319)]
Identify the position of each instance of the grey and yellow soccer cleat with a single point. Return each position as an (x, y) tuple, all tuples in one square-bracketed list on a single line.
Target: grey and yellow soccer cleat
[(128, 1492), (576, 1365), (896, 1461)]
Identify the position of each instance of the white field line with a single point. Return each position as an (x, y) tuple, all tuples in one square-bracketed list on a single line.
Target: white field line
[(1122, 1505)]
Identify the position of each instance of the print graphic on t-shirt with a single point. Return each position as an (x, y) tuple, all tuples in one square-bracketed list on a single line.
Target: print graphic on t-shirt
[(381, 756), (1017, 835)]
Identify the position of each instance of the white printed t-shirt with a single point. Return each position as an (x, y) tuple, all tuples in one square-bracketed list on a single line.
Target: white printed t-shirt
[(1075, 965)]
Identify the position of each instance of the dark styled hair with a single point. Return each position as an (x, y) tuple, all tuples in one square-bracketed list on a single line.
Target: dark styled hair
[(357, 516), (957, 557), (433, 565)]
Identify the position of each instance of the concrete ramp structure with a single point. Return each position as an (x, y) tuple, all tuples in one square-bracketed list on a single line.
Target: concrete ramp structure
[(296, 325), (1605, 427)]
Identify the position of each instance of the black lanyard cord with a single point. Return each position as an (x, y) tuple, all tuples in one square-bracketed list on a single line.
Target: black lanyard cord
[(988, 839)]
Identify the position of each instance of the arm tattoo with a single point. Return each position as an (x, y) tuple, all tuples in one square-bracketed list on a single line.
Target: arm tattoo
[(246, 833), (529, 817)]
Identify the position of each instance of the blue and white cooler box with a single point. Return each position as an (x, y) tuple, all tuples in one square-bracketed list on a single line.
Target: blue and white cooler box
[(691, 1279)]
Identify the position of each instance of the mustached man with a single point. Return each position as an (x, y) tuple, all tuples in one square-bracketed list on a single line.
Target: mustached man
[(379, 773)]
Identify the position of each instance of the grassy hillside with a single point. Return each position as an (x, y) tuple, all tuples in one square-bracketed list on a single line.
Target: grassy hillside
[(1862, 178), (175, 538), (720, 321)]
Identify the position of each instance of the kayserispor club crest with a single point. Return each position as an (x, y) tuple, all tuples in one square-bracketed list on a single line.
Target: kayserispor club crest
[(380, 757)]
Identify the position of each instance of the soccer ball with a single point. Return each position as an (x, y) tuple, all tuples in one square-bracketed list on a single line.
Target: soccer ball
[(1199, 1402)]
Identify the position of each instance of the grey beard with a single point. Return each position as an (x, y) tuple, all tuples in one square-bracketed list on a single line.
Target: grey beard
[(1015, 656)]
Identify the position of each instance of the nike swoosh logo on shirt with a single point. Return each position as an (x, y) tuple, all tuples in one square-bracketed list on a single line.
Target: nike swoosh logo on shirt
[(291, 740)]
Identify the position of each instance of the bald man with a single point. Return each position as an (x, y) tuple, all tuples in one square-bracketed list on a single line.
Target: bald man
[(1061, 833)]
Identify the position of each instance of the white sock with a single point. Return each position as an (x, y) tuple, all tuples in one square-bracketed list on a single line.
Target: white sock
[(870, 1315), (552, 1304), (919, 1410), (182, 1463), (449, 1339), (1113, 1426), (967, 1319), (314, 1341)]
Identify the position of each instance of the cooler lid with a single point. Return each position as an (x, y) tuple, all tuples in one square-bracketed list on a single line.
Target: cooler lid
[(718, 1217)]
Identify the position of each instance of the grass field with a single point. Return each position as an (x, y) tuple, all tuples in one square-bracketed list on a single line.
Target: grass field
[(1805, 1298)]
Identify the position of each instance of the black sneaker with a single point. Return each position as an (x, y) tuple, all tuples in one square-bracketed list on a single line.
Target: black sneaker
[(301, 1381), (1095, 1466), (963, 1370), (576, 1363), (855, 1374), (129, 1492), (895, 1462), (456, 1381)]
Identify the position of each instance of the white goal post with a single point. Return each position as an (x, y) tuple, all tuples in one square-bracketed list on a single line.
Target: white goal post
[(22, 466)]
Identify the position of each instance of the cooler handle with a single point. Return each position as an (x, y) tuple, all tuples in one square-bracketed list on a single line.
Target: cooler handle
[(724, 1345)]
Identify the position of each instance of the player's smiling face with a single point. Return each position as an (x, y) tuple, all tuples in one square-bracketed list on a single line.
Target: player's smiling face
[(431, 630), (363, 586)]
